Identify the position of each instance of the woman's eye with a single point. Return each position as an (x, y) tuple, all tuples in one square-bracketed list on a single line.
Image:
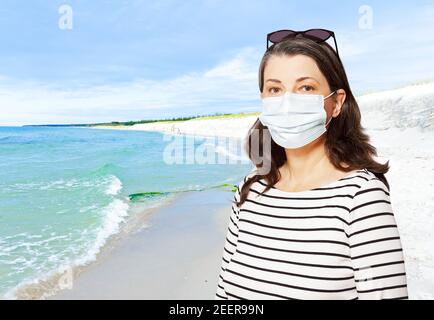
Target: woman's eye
[(274, 90), (307, 88)]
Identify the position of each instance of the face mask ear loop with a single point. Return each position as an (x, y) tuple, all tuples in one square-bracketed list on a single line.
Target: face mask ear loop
[(328, 122), (327, 98), (330, 95)]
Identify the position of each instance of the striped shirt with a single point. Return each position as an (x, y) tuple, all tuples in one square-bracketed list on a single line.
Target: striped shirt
[(339, 241)]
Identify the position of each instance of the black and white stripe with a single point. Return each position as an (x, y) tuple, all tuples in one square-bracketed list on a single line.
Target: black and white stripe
[(340, 241)]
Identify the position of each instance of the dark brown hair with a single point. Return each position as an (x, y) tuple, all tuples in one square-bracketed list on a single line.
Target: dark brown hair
[(346, 142)]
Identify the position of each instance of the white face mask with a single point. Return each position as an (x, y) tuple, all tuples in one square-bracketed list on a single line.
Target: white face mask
[(294, 120)]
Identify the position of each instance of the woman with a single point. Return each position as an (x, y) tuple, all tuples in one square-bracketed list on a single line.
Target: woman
[(318, 223)]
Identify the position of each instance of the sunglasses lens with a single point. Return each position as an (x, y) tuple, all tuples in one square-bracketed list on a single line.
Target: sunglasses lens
[(318, 34), (279, 35)]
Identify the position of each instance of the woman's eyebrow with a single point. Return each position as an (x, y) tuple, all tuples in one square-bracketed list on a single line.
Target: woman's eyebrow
[(298, 80), (305, 78), (274, 80)]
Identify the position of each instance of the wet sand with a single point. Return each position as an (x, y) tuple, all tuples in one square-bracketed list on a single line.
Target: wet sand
[(178, 256)]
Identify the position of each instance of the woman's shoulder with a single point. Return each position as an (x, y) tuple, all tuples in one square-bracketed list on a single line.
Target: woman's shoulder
[(372, 190), (371, 202), (370, 180), (250, 174)]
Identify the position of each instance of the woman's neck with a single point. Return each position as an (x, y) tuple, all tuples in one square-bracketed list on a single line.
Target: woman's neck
[(306, 163)]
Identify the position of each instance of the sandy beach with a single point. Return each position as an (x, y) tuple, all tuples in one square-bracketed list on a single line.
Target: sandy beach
[(177, 256), (236, 127)]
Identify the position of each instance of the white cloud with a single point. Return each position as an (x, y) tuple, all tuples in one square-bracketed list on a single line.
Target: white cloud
[(231, 81), (390, 55), (242, 67)]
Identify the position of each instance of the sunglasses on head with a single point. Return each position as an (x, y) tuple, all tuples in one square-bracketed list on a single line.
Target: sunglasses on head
[(318, 35)]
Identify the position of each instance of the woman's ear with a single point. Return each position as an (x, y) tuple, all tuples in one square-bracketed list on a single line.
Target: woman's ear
[(340, 100)]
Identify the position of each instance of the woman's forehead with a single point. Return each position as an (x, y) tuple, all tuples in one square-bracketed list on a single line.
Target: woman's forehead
[(291, 68)]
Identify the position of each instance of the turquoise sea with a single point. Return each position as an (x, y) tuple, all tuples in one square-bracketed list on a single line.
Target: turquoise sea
[(65, 191)]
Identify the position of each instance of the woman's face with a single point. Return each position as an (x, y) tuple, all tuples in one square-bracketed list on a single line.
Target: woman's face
[(296, 74)]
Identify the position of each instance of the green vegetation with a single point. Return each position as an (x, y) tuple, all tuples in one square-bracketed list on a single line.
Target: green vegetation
[(170, 120), (151, 194), (230, 187), (227, 115)]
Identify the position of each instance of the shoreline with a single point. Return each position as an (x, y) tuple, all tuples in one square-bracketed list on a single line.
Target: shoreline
[(182, 245), (48, 286), (236, 127)]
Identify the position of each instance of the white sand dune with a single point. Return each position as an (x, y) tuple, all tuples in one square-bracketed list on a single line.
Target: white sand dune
[(222, 127), (401, 126), (407, 107), (400, 123)]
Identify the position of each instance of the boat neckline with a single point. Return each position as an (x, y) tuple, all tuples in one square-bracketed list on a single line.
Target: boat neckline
[(353, 173)]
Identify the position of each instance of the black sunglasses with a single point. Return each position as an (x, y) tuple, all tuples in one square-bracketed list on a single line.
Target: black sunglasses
[(318, 35)]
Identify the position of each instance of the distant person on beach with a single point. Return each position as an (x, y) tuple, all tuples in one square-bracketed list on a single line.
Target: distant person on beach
[(318, 223)]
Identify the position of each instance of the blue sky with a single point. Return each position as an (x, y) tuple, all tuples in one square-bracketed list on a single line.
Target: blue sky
[(132, 60)]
